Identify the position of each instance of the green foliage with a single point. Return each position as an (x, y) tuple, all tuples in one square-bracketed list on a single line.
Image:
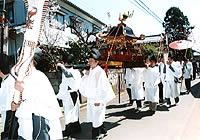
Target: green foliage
[(52, 55), (176, 25), (80, 52), (150, 49)]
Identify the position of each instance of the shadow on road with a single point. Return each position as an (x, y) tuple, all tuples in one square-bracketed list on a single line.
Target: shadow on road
[(117, 106), (195, 90), (131, 114), (162, 108), (86, 132)]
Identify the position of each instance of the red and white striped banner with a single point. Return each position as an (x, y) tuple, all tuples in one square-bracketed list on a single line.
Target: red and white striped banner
[(34, 22)]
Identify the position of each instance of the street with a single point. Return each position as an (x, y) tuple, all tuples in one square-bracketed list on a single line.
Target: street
[(180, 122)]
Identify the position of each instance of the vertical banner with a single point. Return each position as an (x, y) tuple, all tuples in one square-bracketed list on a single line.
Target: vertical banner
[(36, 11)]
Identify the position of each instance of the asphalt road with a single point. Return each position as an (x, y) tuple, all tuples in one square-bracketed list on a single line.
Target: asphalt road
[(179, 122)]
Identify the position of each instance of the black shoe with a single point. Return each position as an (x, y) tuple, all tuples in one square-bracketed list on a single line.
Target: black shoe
[(95, 133), (103, 130), (176, 100), (168, 102), (75, 127), (161, 101), (67, 131)]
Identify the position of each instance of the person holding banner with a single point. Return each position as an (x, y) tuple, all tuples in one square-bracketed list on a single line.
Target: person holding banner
[(38, 112), (98, 90)]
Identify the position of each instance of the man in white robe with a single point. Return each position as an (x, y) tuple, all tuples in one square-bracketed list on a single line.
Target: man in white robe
[(151, 81), (187, 74), (69, 94), (6, 96), (96, 87), (137, 90), (161, 85), (173, 73), (128, 78), (39, 112)]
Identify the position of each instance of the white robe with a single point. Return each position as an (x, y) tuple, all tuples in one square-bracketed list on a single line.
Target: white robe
[(6, 95), (128, 77), (172, 89), (187, 70), (97, 89), (137, 90), (151, 81), (162, 70), (71, 111), (40, 99)]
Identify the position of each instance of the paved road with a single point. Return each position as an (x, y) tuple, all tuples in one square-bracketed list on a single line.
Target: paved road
[(181, 122)]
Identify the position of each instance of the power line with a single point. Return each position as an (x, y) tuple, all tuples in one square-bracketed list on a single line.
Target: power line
[(146, 9), (151, 11), (138, 7)]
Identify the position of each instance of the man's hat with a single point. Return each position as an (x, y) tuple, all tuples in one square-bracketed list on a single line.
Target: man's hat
[(94, 53), (37, 55)]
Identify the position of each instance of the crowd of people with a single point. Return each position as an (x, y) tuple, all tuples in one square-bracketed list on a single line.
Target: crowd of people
[(37, 114), (159, 82)]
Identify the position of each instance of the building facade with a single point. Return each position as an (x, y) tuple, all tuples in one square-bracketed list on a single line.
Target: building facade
[(58, 34)]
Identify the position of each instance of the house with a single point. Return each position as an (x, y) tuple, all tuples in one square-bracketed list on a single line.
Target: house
[(15, 18), (54, 32), (67, 13)]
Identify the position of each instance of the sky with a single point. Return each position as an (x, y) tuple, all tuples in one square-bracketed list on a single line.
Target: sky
[(141, 22)]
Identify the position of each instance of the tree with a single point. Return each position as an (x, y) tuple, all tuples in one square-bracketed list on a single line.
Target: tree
[(176, 24), (177, 27), (56, 44)]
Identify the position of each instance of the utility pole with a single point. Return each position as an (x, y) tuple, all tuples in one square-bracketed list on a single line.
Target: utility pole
[(3, 26)]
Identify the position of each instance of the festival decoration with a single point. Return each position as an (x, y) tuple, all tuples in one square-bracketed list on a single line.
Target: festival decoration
[(34, 22), (119, 43)]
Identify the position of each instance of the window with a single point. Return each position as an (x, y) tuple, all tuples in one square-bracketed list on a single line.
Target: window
[(10, 12), (95, 29), (60, 18)]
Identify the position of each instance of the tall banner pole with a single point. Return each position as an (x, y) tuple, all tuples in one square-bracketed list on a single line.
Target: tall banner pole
[(34, 22)]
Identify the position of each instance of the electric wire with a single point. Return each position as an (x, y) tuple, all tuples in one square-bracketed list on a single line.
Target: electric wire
[(151, 11), (146, 9)]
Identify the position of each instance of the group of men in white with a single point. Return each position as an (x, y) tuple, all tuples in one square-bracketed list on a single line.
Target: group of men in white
[(37, 115), (159, 82)]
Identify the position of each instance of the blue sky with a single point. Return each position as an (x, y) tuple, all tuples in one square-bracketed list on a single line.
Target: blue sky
[(141, 22)]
